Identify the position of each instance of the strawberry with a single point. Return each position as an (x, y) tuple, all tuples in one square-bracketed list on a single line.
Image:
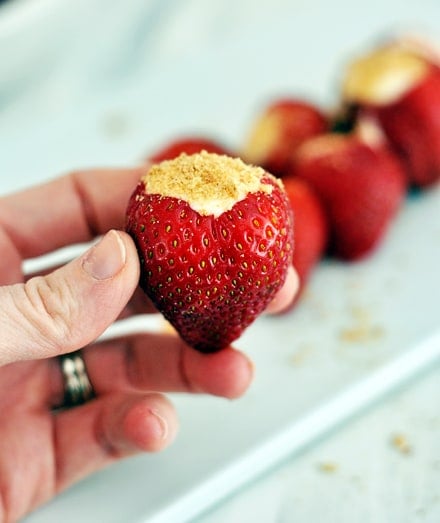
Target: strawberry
[(361, 184), (399, 84), (310, 230), (188, 145), (215, 240), (279, 130)]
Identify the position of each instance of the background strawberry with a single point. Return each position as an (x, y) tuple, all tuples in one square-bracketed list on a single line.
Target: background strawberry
[(277, 132), (399, 84), (310, 228), (188, 145), (413, 128), (215, 241), (360, 184)]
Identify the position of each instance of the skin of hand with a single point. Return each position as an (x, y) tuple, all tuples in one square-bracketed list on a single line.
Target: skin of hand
[(43, 450)]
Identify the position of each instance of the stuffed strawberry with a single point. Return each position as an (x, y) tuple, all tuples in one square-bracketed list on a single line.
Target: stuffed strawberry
[(400, 85), (360, 183), (215, 240), (279, 130)]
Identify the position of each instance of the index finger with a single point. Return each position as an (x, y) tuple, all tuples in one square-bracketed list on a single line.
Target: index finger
[(72, 209)]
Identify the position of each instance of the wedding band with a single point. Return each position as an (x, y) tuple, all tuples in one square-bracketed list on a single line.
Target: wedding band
[(77, 386)]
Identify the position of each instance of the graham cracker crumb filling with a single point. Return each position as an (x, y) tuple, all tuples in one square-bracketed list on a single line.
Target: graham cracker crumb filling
[(210, 183)]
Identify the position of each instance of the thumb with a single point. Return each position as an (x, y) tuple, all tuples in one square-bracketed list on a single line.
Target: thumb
[(70, 307)]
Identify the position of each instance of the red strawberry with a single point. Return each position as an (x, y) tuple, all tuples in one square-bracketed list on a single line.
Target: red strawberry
[(360, 184), (310, 228), (400, 85), (279, 130), (215, 240), (188, 145)]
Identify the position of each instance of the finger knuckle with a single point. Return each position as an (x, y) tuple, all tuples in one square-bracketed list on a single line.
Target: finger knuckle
[(50, 309)]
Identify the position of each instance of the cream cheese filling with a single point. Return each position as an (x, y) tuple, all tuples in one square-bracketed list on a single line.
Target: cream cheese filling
[(384, 76)]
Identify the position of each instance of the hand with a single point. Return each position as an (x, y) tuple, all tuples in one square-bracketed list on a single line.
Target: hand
[(43, 451)]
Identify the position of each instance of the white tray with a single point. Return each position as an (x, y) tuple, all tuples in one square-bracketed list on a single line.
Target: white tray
[(361, 330)]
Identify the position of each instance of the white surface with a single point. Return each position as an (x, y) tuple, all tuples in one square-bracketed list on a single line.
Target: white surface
[(356, 474), (143, 71)]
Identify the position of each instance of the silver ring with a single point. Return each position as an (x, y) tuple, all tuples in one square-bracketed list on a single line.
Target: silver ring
[(77, 386)]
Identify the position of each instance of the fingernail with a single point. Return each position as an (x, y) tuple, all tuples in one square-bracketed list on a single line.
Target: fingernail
[(163, 425), (105, 259)]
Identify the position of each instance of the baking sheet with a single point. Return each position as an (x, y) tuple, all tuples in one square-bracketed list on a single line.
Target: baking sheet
[(361, 328)]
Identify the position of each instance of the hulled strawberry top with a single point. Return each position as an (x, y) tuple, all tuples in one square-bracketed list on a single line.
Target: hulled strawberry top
[(215, 240)]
